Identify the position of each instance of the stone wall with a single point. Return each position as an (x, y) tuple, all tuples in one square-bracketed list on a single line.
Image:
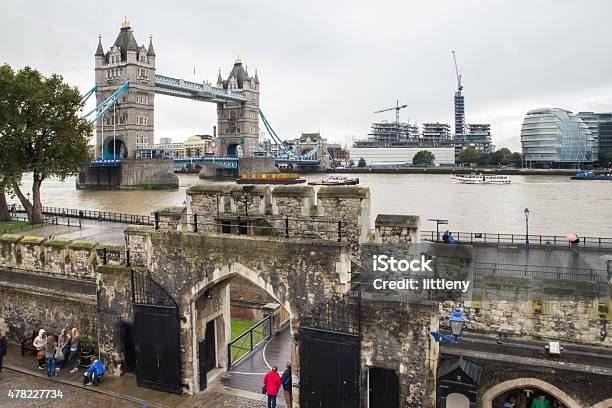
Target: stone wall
[(297, 273), (397, 229), (148, 174), (114, 305), (51, 284), (396, 336), (29, 308)]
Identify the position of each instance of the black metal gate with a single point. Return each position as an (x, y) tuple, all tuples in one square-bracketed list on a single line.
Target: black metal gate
[(203, 359), (329, 345), (156, 335), (383, 388)]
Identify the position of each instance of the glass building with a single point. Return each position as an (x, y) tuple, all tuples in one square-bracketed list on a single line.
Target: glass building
[(556, 138)]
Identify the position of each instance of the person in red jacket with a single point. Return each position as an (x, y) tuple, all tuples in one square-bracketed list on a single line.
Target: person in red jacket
[(272, 382)]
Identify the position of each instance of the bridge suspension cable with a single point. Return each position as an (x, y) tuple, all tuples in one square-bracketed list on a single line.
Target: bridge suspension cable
[(108, 103), (88, 94), (291, 153)]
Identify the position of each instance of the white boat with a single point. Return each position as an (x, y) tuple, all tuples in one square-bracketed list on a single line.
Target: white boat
[(480, 179)]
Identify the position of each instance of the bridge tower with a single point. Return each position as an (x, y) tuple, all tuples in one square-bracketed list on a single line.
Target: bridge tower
[(238, 122), (129, 125)]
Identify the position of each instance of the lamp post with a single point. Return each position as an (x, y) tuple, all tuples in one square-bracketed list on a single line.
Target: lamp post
[(457, 323), (526, 212), (438, 221)]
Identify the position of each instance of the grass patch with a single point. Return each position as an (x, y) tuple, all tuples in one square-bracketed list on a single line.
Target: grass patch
[(7, 227), (242, 346)]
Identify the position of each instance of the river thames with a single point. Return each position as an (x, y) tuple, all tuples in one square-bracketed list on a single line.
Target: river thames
[(557, 205)]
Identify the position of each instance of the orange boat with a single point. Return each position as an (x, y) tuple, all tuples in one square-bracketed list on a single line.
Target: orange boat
[(271, 178)]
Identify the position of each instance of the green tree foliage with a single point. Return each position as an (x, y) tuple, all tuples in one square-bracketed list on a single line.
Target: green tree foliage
[(470, 156), (605, 158), (423, 158), (361, 163), (41, 131)]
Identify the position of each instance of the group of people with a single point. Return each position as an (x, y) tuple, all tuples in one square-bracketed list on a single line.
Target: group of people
[(273, 383), (537, 401), (448, 238), (55, 353)]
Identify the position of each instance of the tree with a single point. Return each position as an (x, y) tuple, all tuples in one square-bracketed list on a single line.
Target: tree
[(501, 157), (41, 131), (469, 156), (424, 158), (516, 159), (605, 157), (361, 163)]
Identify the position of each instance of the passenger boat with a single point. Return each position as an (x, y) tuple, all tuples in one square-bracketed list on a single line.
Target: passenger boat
[(271, 178), (336, 181), (589, 175), (476, 178)]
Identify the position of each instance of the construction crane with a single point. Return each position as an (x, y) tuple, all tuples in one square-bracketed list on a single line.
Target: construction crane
[(396, 108), (459, 86)]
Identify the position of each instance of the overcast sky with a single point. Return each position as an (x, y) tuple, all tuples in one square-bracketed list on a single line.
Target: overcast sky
[(327, 65)]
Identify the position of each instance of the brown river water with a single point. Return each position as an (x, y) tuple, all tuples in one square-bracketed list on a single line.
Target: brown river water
[(557, 205)]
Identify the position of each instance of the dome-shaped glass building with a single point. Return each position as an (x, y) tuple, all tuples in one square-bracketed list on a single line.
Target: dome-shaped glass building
[(556, 138)]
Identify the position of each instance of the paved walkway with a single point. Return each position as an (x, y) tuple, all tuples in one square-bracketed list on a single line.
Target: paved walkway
[(248, 374), (91, 230), (20, 373)]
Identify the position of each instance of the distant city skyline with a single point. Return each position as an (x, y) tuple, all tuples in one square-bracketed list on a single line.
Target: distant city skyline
[(327, 67)]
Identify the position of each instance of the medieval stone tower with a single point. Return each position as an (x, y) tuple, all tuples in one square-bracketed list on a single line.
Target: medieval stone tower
[(129, 125), (238, 122)]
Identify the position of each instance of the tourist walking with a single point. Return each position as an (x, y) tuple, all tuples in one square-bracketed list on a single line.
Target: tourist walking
[(50, 352), (3, 348), (75, 350), (286, 381), (272, 384), (94, 373), (39, 345)]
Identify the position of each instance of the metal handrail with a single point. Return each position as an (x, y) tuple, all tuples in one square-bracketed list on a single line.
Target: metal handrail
[(518, 239), (252, 344), (93, 215)]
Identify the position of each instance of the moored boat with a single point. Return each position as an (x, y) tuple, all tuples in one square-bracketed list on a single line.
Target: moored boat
[(271, 178), (477, 178), (589, 175), (336, 181)]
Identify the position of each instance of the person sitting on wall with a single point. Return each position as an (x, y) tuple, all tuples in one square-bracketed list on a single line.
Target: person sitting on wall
[(450, 239), (94, 373), (445, 237)]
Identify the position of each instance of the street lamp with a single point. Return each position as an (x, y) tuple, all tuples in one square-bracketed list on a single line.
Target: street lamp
[(457, 322), (526, 212), (438, 221)]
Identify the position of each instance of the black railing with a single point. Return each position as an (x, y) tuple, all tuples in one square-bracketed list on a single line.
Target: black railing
[(520, 239), (92, 215), (248, 341), (339, 315), (538, 274), (307, 227)]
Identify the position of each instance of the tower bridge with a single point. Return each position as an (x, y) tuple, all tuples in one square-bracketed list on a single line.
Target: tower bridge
[(126, 84)]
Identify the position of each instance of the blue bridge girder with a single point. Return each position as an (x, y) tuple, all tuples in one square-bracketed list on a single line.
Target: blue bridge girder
[(227, 162), (192, 90)]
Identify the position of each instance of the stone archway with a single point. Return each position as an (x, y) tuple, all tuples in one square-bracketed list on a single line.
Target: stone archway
[(496, 390), (603, 404), (217, 279)]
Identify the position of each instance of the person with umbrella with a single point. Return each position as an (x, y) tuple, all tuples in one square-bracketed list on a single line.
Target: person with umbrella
[(573, 239)]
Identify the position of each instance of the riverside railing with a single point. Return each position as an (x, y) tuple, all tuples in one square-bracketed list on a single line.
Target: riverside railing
[(248, 341), (520, 239), (93, 215)]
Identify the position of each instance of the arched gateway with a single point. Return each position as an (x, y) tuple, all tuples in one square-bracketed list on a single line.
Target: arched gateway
[(194, 264)]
